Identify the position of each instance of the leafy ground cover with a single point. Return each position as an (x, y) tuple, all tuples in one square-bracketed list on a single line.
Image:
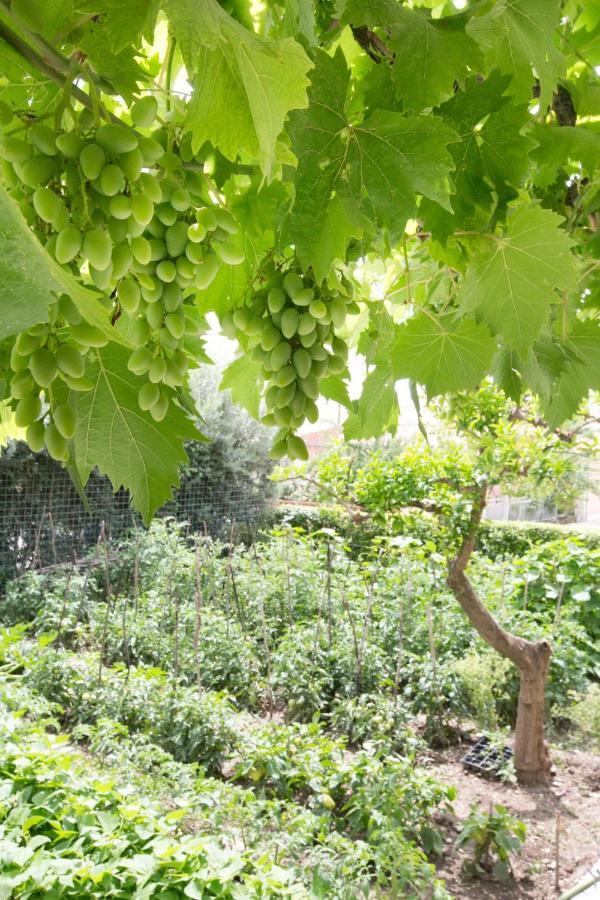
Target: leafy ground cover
[(283, 717)]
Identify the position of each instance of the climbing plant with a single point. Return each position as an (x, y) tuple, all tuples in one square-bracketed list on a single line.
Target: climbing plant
[(416, 181)]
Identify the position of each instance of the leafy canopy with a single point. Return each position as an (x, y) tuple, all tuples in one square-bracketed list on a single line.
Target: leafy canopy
[(438, 166)]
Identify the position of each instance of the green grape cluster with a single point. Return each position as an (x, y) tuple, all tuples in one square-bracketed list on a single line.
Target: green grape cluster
[(291, 328), (126, 213)]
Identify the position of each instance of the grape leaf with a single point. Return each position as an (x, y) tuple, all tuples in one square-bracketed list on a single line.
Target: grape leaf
[(243, 377), (355, 177), (124, 442), (585, 341), (511, 280), (431, 55), (123, 21), (559, 145), (377, 410), (442, 353), (516, 35), (333, 387), (244, 86)]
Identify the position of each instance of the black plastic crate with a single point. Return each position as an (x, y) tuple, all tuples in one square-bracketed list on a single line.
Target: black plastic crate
[(486, 758)]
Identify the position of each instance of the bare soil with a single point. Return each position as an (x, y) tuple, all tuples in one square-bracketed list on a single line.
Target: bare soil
[(573, 793)]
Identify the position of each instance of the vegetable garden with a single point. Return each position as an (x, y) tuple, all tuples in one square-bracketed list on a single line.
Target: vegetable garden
[(205, 694)]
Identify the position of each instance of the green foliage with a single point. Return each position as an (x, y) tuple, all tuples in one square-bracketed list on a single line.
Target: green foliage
[(131, 208), (494, 837), (584, 713)]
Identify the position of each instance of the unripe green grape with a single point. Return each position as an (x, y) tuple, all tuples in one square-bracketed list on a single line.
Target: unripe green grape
[(292, 284), (196, 232), (166, 214), (269, 420), (270, 337), (271, 395), (319, 367), (173, 376), (166, 339), (225, 220), (150, 149), (289, 322), (298, 403), (68, 244), (302, 362), (92, 160), (15, 150), (254, 326), (195, 253), (21, 384), (72, 181), (9, 176), (352, 308), (284, 376), (340, 347), (229, 253), (112, 180), (176, 324), (70, 144), (158, 249), (43, 139), (140, 361), (116, 139), (55, 443), (336, 365), (46, 204), (311, 411), (322, 331), (280, 355), (135, 228), (282, 416), (68, 310), (142, 208), (153, 291), (185, 268), (150, 186), (50, 245), (166, 270), (337, 311), (121, 259), (97, 248), (318, 352), (154, 316), (160, 408), (140, 247), (70, 361), (168, 184), (278, 450), (206, 272), (128, 293), (276, 300), (206, 217), (88, 335), (65, 420), (170, 161), (148, 395), (306, 324), (27, 410), (26, 342), (35, 436), (119, 206), (172, 297), (18, 363), (157, 369), (310, 387), (144, 112), (132, 164), (241, 318), (81, 385), (317, 309), (101, 277), (157, 229), (117, 228), (36, 170), (304, 297), (176, 238), (42, 366), (285, 395), (180, 200)]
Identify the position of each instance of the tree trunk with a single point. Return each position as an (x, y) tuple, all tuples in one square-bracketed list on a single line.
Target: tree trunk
[(532, 659)]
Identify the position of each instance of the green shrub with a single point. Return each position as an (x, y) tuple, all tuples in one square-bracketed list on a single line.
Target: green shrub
[(493, 836), (584, 714)]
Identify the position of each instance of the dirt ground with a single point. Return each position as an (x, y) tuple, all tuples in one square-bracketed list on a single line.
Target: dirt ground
[(574, 793)]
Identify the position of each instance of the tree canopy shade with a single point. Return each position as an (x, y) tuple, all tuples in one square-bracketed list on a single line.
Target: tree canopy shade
[(166, 159)]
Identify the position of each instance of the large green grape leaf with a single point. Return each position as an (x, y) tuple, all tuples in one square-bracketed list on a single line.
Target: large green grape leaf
[(584, 340), (517, 36), (431, 55), (244, 86), (123, 21), (512, 279), (243, 377), (126, 443), (376, 411), (561, 145), (442, 353), (355, 177)]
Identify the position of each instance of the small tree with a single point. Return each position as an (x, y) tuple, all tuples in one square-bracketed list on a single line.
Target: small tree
[(498, 445)]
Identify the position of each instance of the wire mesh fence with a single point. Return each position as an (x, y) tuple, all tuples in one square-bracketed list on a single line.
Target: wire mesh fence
[(44, 521)]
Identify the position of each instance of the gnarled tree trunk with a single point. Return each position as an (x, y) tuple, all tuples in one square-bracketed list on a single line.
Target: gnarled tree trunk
[(532, 659)]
